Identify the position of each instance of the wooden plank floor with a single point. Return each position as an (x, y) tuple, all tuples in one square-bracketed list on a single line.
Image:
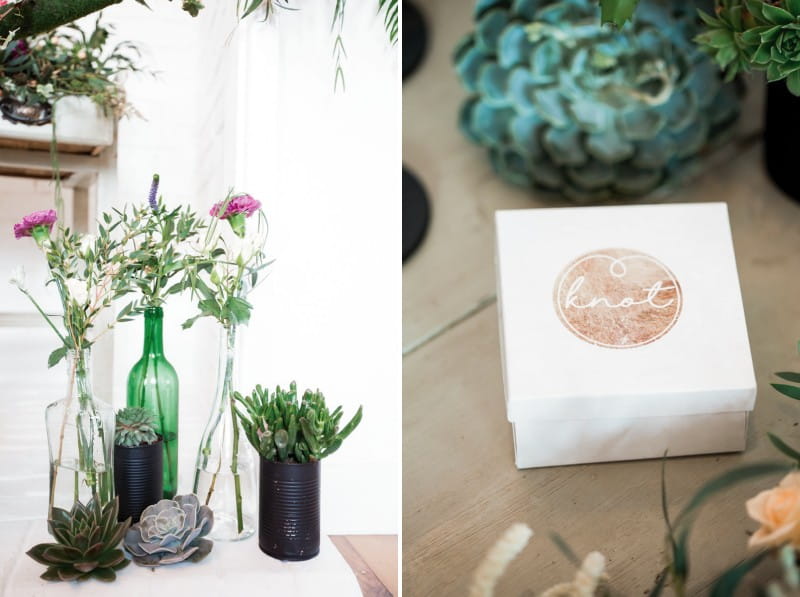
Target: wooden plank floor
[(460, 486)]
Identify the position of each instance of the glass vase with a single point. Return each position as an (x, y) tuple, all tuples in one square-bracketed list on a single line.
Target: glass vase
[(153, 385), (225, 477), (80, 435)]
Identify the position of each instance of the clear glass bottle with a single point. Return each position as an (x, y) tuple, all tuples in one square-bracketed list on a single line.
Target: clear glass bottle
[(153, 385), (225, 477), (80, 435)]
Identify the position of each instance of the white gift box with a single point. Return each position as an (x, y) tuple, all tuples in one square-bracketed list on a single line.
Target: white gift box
[(622, 333)]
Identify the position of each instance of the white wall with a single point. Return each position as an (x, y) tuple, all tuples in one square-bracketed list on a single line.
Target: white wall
[(253, 107)]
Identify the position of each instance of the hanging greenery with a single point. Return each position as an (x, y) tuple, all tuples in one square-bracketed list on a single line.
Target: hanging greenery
[(41, 70)]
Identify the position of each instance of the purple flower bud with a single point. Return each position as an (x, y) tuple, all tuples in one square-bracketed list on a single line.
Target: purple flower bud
[(151, 198), (35, 222), (239, 204)]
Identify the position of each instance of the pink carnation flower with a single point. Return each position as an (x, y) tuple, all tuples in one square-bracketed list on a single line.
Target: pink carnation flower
[(37, 219), (239, 204)]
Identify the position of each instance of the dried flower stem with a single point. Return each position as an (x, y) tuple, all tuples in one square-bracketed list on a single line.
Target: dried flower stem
[(501, 554)]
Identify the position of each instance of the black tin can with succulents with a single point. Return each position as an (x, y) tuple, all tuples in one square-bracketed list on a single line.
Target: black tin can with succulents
[(291, 437), (138, 462)]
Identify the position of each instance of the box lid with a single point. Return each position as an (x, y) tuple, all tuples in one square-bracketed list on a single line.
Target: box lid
[(621, 311)]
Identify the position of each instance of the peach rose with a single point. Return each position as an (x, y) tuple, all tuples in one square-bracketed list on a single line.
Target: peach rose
[(778, 511)]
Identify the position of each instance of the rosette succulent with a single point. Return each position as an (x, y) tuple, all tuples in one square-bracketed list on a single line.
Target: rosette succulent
[(591, 112), (755, 34), (171, 531), (88, 541), (135, 427)]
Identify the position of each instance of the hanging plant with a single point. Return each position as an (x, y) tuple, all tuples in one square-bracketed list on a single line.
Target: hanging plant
[(37, 72)]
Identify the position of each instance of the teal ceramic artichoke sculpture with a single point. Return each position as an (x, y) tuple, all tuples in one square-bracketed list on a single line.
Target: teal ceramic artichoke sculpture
[(589, 111)]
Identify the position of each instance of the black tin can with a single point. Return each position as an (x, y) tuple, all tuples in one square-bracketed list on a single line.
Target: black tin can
[(781, 131), (138, 478), (288, 511)]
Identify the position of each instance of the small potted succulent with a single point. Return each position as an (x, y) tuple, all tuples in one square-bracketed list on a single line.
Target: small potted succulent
[(171, 531), (291, 437), (87, 543), (138, 462)]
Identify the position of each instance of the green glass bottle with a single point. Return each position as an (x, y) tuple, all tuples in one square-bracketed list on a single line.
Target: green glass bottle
[(153, 384)]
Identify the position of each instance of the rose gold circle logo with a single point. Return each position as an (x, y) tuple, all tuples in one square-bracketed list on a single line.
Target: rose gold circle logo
[(618, 298)]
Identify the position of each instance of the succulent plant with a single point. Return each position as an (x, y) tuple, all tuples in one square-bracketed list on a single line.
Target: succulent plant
[(135, 427), (88, 541), (591, 112), (752, 34), (282, 428), (171, 531)]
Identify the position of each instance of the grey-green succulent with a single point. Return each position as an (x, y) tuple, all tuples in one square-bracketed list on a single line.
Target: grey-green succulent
[(171, 531), (88, 543), (591, 112), (135, 427), (284, 429)]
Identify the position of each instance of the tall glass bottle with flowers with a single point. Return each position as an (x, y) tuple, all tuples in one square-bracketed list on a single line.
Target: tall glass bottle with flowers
[(89, 272), (225, 476), (157, 258)]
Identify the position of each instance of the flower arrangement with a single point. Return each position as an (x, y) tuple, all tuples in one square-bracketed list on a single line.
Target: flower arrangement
[(229, 262), (89, 272), (159, 248), (284, 429), (742, 35), (69, 62), (228, 268)]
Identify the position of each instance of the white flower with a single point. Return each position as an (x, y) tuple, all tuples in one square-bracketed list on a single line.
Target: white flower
[(78, 291), (18, 278), (87, 242), (246, 248), (194, 247)]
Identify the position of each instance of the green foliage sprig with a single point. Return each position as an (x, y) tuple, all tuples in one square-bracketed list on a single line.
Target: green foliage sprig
[(89, 272), (69, 62), (228, 265), (284, 429), (160, 247)]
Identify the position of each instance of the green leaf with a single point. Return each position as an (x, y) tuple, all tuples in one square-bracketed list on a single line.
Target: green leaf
[(776, 15), (787, 390), (708, 19), (793, 6), (789, 376), (727, 479), (617, 12), (239, 309), (726, 584), (56, 356), (784, 447), (793, 82)]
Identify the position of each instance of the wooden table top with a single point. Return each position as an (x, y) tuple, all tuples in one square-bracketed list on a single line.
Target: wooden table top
[(461, 489), (373, 559)]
